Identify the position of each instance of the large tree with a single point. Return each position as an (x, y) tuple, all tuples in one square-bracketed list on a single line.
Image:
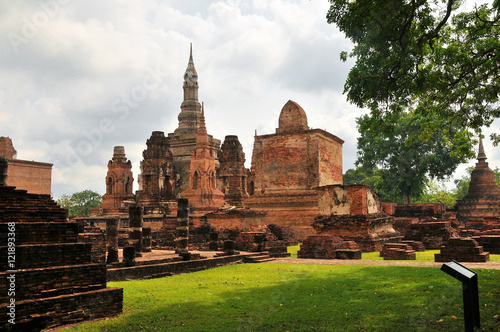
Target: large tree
[(407, 164), (429, 56), (80, 203)]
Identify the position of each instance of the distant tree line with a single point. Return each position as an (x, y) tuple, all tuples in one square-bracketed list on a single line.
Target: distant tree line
[(80, 203), (433, 191)]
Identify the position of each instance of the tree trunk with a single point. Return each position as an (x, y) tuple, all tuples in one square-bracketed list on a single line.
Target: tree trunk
[(406, 198)]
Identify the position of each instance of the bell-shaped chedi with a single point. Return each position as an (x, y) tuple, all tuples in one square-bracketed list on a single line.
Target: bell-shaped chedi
[(157, 179), (292, 119), (119, 183), (202, 192), (483, 197), (232, 171)]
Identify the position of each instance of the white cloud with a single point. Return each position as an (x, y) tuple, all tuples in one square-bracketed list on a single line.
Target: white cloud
[(76, 85)]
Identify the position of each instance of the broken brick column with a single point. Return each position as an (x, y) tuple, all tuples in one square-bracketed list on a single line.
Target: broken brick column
[(3, 171), (146, 239), (135, 224), (182, 230), (112, 239)]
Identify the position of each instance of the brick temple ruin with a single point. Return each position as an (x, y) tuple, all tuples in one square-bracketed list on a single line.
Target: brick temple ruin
[(292, 191), (292, 172), (32, 176)]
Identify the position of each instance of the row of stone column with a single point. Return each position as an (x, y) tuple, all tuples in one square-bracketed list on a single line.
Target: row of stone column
[(140, 237)]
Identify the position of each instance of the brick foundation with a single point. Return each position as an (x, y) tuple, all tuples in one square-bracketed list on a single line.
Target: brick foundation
[(462, 250)]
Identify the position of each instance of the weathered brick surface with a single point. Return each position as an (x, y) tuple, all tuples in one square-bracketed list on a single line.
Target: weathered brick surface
[(39, 314), (490, 243), (45, 255), (462, 250), (397, 251), (421, 210), (415, 245), (20, 206), (370, 232), (43, 233), (33, 284), (55, 282), (328, 247), (34, 177), (98, 246), (432, 234)]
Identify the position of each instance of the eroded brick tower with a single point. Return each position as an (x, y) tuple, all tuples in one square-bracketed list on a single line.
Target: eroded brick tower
[(233, 173), (157, 180), (202, 192), (183, 139), (483, 197), (119, 183)]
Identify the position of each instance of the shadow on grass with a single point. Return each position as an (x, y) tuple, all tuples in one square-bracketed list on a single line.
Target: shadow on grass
[(286, 297)]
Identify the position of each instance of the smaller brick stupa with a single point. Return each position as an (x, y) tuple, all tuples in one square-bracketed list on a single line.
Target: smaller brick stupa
[(202, 191), (119, 180), (483, 199)]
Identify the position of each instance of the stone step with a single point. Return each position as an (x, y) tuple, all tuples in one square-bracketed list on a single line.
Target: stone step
[(46, 255), (258, 258), (39, 314), (42, 232), (52, 281)]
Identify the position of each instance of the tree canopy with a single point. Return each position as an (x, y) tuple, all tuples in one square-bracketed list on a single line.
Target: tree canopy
[(429, 56), (407, 164), (80, 203)]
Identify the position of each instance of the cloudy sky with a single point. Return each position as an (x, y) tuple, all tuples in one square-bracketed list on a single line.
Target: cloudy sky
[(78, 78)]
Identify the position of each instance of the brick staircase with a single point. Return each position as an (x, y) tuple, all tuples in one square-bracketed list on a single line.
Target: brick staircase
[(54, 279), (259, 257)]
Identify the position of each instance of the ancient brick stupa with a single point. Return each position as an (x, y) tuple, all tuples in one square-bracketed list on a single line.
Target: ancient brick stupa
[(233, 171), (157, 178), (202, 191), (483, 199), (119, 180)]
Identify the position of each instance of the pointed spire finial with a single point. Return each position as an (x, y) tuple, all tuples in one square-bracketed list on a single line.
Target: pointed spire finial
[(190, 75), (481, 156)]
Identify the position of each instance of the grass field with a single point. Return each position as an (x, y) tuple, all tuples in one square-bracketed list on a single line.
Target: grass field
[(297, 297)]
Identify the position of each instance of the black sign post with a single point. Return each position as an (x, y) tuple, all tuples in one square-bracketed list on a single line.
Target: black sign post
[(470, 292)]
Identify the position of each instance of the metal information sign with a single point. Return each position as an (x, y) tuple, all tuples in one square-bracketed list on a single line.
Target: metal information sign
[(470, 292)]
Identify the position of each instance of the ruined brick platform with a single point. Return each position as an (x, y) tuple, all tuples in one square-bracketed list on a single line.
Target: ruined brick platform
[(415, 245), (369, 231), (56, 282), (462, 250), (398, 251), (490, 241), (328, 247), (433, 234)]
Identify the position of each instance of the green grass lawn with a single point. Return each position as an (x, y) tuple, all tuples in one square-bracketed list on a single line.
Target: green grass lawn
[(296, 297)]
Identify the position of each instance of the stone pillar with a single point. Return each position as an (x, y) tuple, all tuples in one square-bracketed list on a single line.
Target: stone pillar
[(129, 256), (146, 239), (112, 239), (258, 240), (135, 233), (214, 239), (3, 171), (182, 230), (229, 247)]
